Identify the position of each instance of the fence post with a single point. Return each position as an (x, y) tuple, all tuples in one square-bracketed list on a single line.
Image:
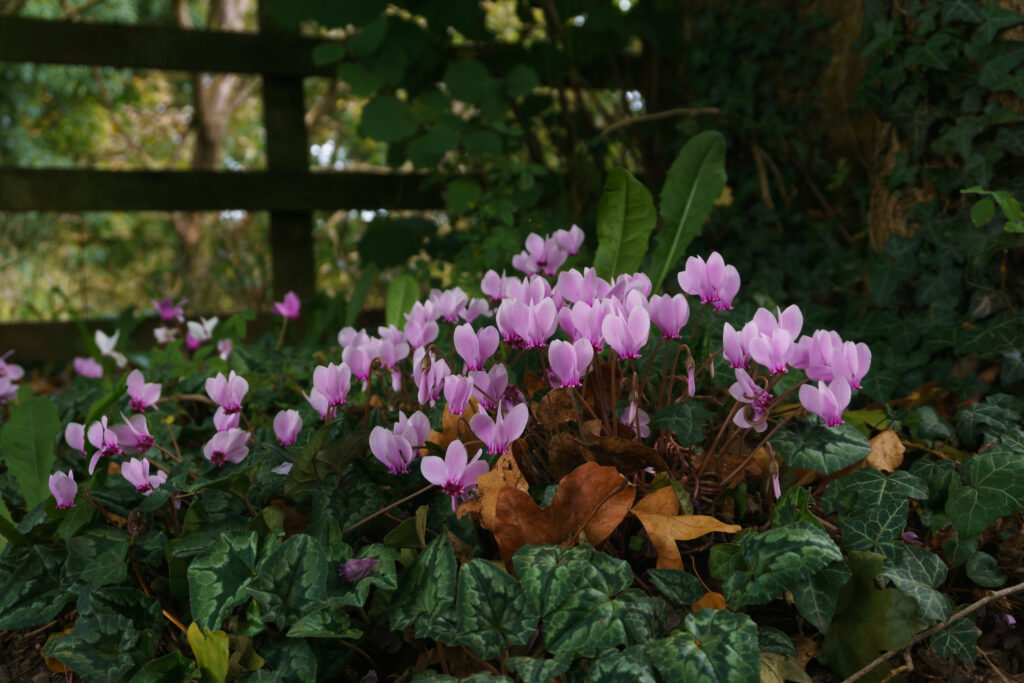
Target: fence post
[(291, 232)]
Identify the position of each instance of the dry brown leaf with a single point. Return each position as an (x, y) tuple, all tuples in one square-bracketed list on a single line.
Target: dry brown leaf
[(556, 408), (659, 513), (504, 473), (591, 498), (454, 426), (710, 601), (533, 382), (625, 455), (566, 453), (886, 451)]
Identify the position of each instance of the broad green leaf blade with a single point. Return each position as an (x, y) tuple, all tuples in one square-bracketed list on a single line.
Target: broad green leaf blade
[(918, 574), (31, 591), (359, 292), (97, 557), (26, 447), (694, 181), (827, 450), (104, 647), (291, 582), (403, 291), (590, 622), (868, 621), (778, 560), (492, 611), (994, 489), (685, 419), (218, 577), (548, 574), (718, 646), (959, 639), (537, 670), (872, 527), (171, 668), (816, 597), (427, 588), (625, 219), (211, 652), (387, 118), (983, 569), (678, 586), (773, 640)]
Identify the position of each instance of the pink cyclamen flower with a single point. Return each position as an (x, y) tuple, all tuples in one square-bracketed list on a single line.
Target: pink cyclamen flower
[(391, 352), (74, 435), (420, 332), (165, 335), (222, 421), (670, 314), (814, 354), (827, 400), (392, 450), (474, 309), (227, 393), (319, 403), (499, 433), (475, 347), (224, 347), (714, 282), (229, 446), (142, 394), (169, 310), (569, 361), (415, 429), (11, 371), (136, 472), (87, 367), (456, 473), (287, 425), (289, 307), (64, 489), (569, 240), (635, 418), (359, 358), (772, 351), (627, 335), (746, 390), (489, 387), (527, 324), (851, 362), (428, 373), (449, 303), (574, 286), (493, 285), (457, 391), (200, 331), (133, 436), (332, 383), (350, 336), (791, 320), (584, 321), (736, 344), (103, 439), (8, 390)]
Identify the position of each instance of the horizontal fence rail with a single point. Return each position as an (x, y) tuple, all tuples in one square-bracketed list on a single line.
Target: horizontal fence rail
[(72, 190)]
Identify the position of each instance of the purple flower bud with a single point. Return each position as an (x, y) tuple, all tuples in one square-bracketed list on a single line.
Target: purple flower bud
[(357, 568)]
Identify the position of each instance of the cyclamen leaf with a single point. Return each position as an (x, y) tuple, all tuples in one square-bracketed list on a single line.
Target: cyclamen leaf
[(427, 588), (693, 183), (827, 450), (218, 578), (678, 586), (873, 526), (590, 622), (816, 597), (718, 646), (983, 570), (773, 640), (685, 419), (958, 639), (291, 582), (97, 557), (918, 574), (625, 219), (31, 590), (535, 670), (994, 489), (492, 611), (26, 447)]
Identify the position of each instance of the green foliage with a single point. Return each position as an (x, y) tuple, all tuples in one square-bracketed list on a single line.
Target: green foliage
[(403, 292), (812, 446), (26, 447), (492, 610), (625, 219), (686, 420), (695, 180)]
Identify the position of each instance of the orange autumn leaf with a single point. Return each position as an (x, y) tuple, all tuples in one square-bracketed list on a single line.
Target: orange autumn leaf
[(591, 500), (710, 601), (659, 513), (886, 451), (504, 473)]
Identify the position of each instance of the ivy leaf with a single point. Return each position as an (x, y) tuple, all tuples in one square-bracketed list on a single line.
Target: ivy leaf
[(625, 219), (426, 589), (777, 560), (693, 183), (686, 420), (872, 527), (387, 118), (994, 488), (492, 611), (218, 577), (959, 639), (827, 450), (26, 447), (717, 646), (773, 640), (918, 574), (997, 414), (869, 620), (816, 597), (983, 570), (867, 488)]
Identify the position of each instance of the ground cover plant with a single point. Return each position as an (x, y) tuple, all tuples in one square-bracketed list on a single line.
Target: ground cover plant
[(598, 468)]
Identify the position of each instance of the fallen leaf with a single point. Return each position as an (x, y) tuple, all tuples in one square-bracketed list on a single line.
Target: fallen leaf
[(566, 453), (454, 426), (886, 451), (592, 499), (625, 455), (659, 513), (556, 408), (504, 473), (710, 601), (533, 382), (777, 668)]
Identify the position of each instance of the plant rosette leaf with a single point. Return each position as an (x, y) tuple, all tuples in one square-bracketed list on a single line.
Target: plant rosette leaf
[(816, 598), (678, 586), (219, 576), (959, 639), (426, 590), (491, 609), (686, 420), (291, 584), (31, 589), (812, 446), (764, 565)]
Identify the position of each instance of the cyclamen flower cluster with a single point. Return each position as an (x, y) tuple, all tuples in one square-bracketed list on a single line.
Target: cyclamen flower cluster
[(396, 447), (545, 255), (10, 374)]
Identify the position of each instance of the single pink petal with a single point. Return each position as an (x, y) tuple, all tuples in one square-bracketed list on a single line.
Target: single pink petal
[(433, 470)]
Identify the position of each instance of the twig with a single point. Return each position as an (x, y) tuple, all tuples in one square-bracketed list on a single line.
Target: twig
[(678, 111), (992, 665), (360, 651), (173, 441), (386, 508), (974, 606)]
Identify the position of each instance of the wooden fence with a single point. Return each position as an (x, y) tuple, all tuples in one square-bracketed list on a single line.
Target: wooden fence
[(286, 189)]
